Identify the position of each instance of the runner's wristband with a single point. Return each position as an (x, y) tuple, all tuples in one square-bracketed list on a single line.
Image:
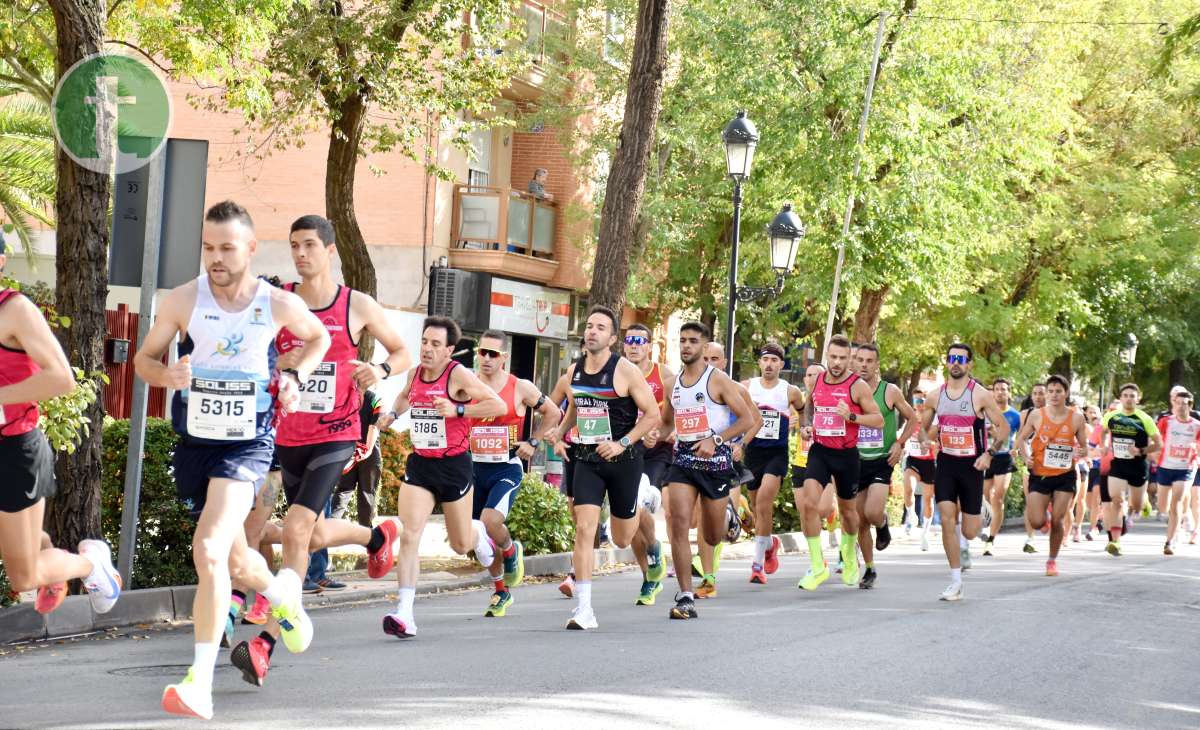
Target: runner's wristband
[(387, 369), (291, 371)]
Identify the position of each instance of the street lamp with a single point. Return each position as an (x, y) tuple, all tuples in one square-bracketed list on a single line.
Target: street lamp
[(1128, 352), (740, 139), (784, 234)]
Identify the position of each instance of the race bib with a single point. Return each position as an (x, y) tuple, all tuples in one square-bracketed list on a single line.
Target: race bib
[(1179, 456), (770, 427), (221, 410), (913, 447), (428, 430), (1122, 448), (1058, 456), (870, 438), (318, 393), (594, 425), (691, 424), (957, 440), (489, 444), (828, 422)]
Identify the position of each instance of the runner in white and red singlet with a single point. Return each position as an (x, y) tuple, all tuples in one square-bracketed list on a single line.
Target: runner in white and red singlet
[(1177, 462)]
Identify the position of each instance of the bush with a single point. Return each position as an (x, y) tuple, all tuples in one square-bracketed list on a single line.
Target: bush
[(540, 518), (1014, 501), (394, 448), (7, 597), (164, 539), (787, 517)]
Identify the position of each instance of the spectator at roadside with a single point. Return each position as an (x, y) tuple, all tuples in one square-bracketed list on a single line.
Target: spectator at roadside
[(365, 468)]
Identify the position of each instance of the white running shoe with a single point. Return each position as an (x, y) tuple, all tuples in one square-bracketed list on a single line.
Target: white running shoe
[(583, 619), (953, 592), (104, 582)]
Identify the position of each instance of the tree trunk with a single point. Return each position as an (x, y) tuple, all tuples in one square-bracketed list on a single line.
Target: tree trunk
[(914, 382), (81, 287), (627, 177), (358, 271), (866, 319), (1062, 365)]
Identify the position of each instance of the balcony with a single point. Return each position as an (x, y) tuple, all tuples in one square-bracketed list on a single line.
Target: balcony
[(546, 34), (503, 231)]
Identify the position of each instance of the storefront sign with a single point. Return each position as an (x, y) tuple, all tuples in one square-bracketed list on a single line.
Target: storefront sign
[(529, 309)]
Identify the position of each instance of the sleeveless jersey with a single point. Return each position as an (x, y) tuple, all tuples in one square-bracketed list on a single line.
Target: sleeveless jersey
[(600, 414), (1054, 446), (494, 440), (875, 443), (330, 399), (1181, 439), (233, 360), (960, 429), (661, 451), (774, 406), (433, 435), (15, 366), (829, 428), (698, 416)]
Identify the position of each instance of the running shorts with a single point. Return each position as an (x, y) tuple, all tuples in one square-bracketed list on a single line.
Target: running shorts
[(618, 479), (193, 465), (496, 486), (837, 465), (762, 462), (448, 477), (311, 472), (712, 485), (798, 474), (874, 471), (1093, 478), (28, 469), (1001, 464), (1049, 485), (656, 471), (923, 468), (1167, 477), (1133, 471), (957, 480)]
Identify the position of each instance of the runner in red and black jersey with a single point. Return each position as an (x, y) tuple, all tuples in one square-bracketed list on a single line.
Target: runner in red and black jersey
[(647, 548)]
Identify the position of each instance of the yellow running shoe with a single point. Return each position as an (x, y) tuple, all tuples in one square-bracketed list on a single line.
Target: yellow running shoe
[(812, 580)]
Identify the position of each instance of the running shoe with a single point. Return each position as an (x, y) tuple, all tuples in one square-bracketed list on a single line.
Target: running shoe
[(965, 558), (868, 579), (1052, 567), (656, 567), (953, 592), (399, 626), (1167, 549), (771, 563), (708, 589), (296, 627), (811, 581), (227, 634), (380, 562), (684, 608), (925, 541), (850, 572), (567, 587), (717, 550), (650, 590), (188, 698), (103, 584), (1088, 535), (1029, 548), (329, 584), (1192, 539), (987, 547), (583, 619), (258, 613), (499, 604), (253, 658), (757, 575), (50, 597), (883, 536), (1076, 534), (1114, 549), (514, 566)]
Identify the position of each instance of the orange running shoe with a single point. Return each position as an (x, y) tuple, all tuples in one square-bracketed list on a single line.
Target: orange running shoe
[(1052, 567), (50, 597)]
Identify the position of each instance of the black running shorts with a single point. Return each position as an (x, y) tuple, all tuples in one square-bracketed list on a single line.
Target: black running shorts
[(712, 485), (1133, 471), (839, 466), (311, 472), (449, 478), (1001, 464), (618, 479), (28, 470), (1049, 485), (957, 480), (874, 471), (762, 462), (923, 468)]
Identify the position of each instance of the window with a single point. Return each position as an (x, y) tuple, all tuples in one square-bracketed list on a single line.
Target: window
[(480, 166)]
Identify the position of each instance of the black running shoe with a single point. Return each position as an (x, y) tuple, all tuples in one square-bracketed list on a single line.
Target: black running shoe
[(868, 579), (883, 536), (684, 608)]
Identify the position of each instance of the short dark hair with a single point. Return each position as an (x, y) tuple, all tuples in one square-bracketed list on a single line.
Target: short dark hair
[(226, 211), (453, 331), (1056, 378), (601, 309), (840, 341), (870, 346), (637, 326), (998, 381), (1129, 386), (1039, 384), (496, 335), (772, 348), (918, 391), (699, 327), (961, 346), (317, 223)]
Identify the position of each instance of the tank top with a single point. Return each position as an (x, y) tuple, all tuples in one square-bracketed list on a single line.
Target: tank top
[(329, 399), (662, 450), (1180, 442), (960, 429), (775, 408), (875, 443), (233, 361), (600, 414), (494, 440), (15, 366), (433, 435), (698, 416), (1054, 446), (829, 428)]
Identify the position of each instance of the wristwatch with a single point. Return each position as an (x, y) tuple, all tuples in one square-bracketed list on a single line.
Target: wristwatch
[(624, 441), (992, 451), (461, 410), (853, 418), (716, 437), (387, 369), (534, 442)]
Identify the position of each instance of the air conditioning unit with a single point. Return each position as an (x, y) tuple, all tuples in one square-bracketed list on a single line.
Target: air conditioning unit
[(464, 296)]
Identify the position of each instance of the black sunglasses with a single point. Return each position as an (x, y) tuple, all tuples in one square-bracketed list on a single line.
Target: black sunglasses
[(485, 352), (636, 339)]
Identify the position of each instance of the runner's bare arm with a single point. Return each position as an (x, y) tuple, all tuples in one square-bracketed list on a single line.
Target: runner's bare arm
[(375, 321), (755, 414), (290, 311), (1081, 436), (642, 396), (33, 335), (1023, 434), (749, 418), (551, 415), (562, 391), (170, 321), (465, 385), (985, 402), (400, 405), (865, 398), (911, 423), (1156, 444), (928, 430)]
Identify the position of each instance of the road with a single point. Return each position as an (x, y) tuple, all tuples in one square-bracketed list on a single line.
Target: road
[(1111, 643)]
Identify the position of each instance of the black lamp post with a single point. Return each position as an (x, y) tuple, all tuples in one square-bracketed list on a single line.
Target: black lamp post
[(740, 139), (785, 233)]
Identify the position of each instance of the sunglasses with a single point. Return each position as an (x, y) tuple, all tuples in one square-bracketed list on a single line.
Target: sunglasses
[(636, 339), (484, 352), (956, 359)]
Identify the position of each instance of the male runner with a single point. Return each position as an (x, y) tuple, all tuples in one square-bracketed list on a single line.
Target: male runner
[(920, 465), (497, 451), (1177, 463), (656, 460), (1037, 399), (607, 392), (879, 450), (224, 412), (33, 368), (1052, 437), (767, 454), (1095, 454), (561, 395), (443, 398), (998, 476), (839, 404), (705, 411), (314, 444), (960, 406), (1132, 436)]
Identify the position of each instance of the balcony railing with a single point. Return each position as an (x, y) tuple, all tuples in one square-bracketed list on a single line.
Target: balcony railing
[(542, 23), (507, 228)]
